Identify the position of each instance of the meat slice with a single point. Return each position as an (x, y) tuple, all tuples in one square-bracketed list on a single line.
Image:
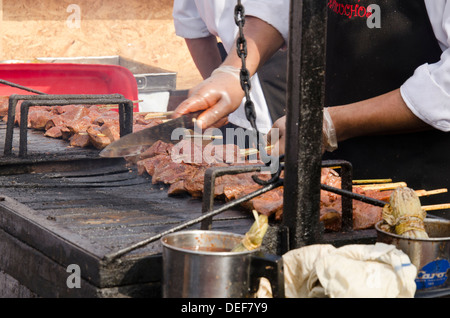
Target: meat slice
[(365, 215), (54, 121), (158, 148), (189, 152), (194, 185), (331, 219), (97, 138), (142, 120), (227, 153), (173, 172), (54, 132), (65, 133), (270, 202), (74, 113), (38, 119), (177, 188), (80, 125), (80, 140), (149, 165), (112, 131), (108, 117), (4, 105)]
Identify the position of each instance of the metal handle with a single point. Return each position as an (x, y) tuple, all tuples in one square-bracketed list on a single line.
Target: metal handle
[(270, 267)]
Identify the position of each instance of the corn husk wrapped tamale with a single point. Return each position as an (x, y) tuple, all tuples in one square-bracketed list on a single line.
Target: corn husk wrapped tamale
[(404, 214), (254, 237)]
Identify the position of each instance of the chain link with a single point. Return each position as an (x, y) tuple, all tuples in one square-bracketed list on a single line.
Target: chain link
[(241, 48)]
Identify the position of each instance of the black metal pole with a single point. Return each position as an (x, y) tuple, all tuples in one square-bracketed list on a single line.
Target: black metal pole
[(305, 99)]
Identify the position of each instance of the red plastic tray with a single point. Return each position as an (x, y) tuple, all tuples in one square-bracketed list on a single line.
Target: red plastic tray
[(68, 78)]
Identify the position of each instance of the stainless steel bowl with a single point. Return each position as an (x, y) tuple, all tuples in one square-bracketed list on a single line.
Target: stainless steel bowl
[(430, 256), (200, 264)]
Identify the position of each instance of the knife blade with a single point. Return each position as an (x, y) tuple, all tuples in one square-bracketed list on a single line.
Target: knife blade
[(135, 143)]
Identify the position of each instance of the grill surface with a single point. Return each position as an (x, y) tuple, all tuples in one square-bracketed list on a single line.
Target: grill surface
[(111, 206), (67, 206)]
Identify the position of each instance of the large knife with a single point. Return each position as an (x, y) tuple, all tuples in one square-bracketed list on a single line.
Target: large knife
[(135, 143)]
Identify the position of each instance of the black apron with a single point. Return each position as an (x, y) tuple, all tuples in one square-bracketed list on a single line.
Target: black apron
[(364, 62), (272, 77)]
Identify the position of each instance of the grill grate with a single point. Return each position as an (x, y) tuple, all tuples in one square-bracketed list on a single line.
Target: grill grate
[(113, 206)]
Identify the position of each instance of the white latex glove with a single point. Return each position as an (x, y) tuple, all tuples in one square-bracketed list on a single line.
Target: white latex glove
[(329, 139), (219, 95)]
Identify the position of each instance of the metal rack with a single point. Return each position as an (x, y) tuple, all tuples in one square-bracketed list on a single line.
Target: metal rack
[(125, 113)]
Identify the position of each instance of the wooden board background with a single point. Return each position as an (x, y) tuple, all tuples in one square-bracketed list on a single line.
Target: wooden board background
[(141, 30)]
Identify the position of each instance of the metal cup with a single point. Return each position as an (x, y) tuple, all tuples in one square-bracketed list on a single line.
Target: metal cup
[(200, 264)]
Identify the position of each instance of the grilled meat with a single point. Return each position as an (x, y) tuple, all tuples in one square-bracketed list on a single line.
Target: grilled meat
[(182, 166), (167, 164), (82, 126)]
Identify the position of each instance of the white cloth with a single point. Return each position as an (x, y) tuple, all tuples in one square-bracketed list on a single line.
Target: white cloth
[(427, 92), (351, 271), (201, 18)]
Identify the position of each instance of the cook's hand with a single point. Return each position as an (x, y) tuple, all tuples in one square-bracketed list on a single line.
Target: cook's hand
[(219, 95), (329, 138), (277, 135)]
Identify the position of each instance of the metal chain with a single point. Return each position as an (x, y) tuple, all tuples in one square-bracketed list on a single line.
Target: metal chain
[(241, 47), (250, 113)]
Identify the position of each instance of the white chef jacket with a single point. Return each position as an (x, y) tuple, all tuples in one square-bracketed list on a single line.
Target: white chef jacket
[(427, 92), (201, 18)]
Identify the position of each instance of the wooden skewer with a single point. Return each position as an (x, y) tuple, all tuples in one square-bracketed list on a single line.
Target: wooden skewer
[(423, 193), (384, 186), (436, 207), (112, 106), (108, 106), (248, 152), (204, 136), (253, 151), (152, 115), (420, 193), (367, 181), (334, 167)]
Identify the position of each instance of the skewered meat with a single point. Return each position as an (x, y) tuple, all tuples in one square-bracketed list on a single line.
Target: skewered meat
[(111, 131), (183, 166), (97, 138), (82, 126), (185, 175)]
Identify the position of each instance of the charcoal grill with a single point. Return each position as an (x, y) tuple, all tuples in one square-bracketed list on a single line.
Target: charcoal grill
[(61, 206)]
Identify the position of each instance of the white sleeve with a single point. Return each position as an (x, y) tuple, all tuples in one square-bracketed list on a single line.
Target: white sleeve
[(427, 92), (276, 13), (187, 21)]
